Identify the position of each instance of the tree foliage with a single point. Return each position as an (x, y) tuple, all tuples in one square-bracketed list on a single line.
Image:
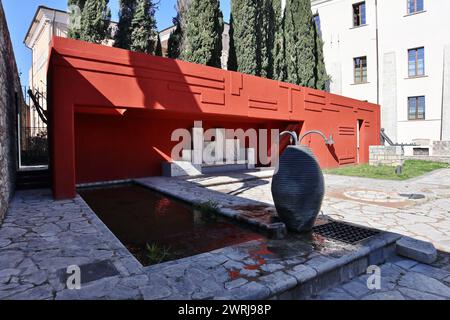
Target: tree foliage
[(175, 43), (244, 37), (300, 41), (95, 21), (122, 38), (279, 59), (144, 35), (75, 10), (202, 37), (158, 49)]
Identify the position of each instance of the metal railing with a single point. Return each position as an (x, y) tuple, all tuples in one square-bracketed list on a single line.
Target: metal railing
[(32, 128)]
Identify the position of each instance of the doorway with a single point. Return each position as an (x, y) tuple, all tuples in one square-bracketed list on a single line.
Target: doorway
[(359, 126)]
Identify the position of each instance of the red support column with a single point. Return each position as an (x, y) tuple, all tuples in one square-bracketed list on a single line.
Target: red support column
[(63, 141)]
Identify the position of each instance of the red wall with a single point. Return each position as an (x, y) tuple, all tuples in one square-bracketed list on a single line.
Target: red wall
[(134, 145), (113, 112)]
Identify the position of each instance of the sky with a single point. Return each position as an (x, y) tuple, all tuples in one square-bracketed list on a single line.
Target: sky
[(19, 17)]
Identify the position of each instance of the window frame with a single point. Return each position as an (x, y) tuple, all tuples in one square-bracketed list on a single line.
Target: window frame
[(416, 65), (417, 115), (360, 70), (415, 7), (359, 5)]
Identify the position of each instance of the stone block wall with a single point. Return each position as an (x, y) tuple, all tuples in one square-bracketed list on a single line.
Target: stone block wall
[(10, 98), (386, 155), (441, 148)]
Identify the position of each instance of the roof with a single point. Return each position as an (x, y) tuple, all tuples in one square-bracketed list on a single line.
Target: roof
[(35, 18)]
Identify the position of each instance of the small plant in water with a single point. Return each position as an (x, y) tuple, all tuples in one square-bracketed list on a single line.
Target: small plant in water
[(157, 254), (209, 210)]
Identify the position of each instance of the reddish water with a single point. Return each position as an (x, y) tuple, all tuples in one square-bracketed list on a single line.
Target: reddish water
[(139, 216)]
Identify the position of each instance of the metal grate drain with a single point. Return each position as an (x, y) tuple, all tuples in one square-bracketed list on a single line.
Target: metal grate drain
[(344, 232)]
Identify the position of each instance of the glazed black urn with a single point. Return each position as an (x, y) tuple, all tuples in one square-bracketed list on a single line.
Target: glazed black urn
[(298, 188)]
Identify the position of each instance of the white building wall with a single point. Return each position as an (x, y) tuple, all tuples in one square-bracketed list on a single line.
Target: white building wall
[(397, 32)]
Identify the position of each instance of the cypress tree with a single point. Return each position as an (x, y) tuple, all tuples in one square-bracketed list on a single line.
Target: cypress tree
[(244, 39), (144, 36), (122, 38), (321, 75), (202, 37), (75, 10), (300, 43), (175, 42), (175, 38), (95, 21), (266, 36), (279, 60), (158, 49), (232, 59)]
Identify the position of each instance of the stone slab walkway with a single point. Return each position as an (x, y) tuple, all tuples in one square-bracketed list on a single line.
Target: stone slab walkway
[(401, 279), (40, 238), (426, 219)]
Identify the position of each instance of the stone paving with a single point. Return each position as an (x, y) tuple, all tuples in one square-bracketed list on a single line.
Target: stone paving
[(424, 219), (401, 279), (40, 238)]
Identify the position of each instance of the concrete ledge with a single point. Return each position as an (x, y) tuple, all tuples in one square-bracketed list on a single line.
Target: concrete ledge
[(228, 205), (416, 250)]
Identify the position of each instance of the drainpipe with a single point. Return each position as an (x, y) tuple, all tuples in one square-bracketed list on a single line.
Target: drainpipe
[(377, 49), (53, 23)]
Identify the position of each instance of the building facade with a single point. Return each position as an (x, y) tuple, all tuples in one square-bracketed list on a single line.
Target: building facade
[(393, 53)]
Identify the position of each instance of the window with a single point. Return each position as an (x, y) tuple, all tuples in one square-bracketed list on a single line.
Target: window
[(317, 23), (416, 62), (360, 66), (415, 6), (359, 14), (416, 108)]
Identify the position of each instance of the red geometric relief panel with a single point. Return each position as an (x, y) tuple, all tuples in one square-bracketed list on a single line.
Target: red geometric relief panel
[(207, 96), (340, 105), (260, 104), (347, 160), (315, 101), (346, 131), (236, 83)]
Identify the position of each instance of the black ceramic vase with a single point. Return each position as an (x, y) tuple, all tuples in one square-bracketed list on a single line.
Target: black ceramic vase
[(298, 188)]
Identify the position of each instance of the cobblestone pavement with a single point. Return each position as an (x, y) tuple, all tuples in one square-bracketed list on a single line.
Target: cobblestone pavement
[(425, 219), (41, 237), (401, 279)]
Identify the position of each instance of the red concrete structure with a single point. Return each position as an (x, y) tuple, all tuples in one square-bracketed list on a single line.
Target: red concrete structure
[(113, 111)]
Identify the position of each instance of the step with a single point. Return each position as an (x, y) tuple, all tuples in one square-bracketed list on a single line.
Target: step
[(33, 179)]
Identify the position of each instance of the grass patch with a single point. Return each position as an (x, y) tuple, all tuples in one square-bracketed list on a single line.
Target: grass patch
[(411, 169), (157, 254)]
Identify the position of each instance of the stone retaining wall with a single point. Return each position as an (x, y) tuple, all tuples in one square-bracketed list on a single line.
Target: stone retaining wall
[(10, 96), (441, 148), (386, 155)]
